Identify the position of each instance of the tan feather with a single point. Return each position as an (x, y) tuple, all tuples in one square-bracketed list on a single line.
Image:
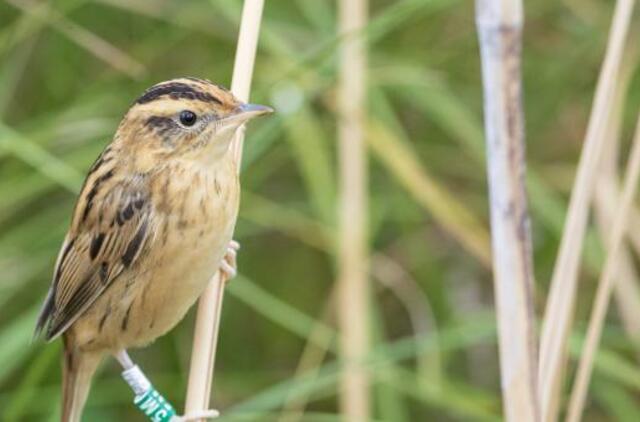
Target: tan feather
[(103, 241), (151, 226)]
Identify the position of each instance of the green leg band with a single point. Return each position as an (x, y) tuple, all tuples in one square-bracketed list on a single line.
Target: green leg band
[(152, 404), (147, 398)]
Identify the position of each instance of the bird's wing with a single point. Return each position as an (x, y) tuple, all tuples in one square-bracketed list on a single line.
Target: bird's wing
[(111, 226)]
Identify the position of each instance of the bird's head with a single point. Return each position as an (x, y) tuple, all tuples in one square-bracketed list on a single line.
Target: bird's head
[(186, 118)]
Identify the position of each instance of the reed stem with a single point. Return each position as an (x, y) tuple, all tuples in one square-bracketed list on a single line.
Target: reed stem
[(606, 199), (353, 293), (499, 24), (207, 326), (562, 295), (606, 284)]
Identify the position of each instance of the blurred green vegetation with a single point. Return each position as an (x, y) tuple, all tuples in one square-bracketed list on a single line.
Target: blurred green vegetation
[(70, 68)]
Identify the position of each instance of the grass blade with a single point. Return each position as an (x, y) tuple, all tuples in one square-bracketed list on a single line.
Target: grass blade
[(560, 303), (605, 285)]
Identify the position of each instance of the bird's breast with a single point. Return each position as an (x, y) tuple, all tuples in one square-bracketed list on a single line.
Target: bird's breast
[(192, 235), (198, 226)]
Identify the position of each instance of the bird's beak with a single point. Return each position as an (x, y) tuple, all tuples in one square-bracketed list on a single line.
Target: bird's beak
[(249, 111)]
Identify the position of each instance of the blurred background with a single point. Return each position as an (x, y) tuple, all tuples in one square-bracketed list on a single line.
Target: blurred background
[(69, 69)]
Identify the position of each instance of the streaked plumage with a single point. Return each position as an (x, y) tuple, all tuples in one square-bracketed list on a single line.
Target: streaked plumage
[(150, 227)]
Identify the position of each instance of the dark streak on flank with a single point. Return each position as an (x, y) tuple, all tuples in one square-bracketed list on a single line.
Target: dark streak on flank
[(96, 244), (104, 319), (134, 246), (165, 233), (94, 191), (176, 91), (203, 206), (125, 320)]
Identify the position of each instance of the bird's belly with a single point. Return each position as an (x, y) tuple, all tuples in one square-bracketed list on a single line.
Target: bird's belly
[(155, 294), (177, 281), (193, 239)]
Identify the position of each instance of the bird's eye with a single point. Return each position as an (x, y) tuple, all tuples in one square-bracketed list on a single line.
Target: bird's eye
[(188, 117)]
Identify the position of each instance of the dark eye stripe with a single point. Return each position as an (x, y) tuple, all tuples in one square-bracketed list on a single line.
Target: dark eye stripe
[(160, 123), (176, 91)]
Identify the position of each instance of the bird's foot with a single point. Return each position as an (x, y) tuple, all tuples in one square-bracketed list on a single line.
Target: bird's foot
[(228, 266), (194, 416)]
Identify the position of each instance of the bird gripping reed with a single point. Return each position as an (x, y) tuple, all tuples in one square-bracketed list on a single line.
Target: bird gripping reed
[(152, 223)]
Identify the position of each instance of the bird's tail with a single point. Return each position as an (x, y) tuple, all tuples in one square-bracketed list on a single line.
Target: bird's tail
[(77, 370)]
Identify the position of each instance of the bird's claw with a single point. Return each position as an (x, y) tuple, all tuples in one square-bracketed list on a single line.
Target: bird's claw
[(194, 416), (228, 266)]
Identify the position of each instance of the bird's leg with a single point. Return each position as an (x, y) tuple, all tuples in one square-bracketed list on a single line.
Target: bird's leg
[(228, 265), (125, 361), (148, 400), (132, 374)]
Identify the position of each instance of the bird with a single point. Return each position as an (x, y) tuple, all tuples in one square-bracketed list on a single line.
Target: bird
[(152, 224)]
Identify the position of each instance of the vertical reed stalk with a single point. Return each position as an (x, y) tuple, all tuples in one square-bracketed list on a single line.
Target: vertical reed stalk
[(607, 197), (499, 25), (560, 304), (205, 337), (353, 294), (626, 289), (605, 285)]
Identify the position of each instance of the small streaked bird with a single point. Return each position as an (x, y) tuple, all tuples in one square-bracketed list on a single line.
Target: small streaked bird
[(151, 226)]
